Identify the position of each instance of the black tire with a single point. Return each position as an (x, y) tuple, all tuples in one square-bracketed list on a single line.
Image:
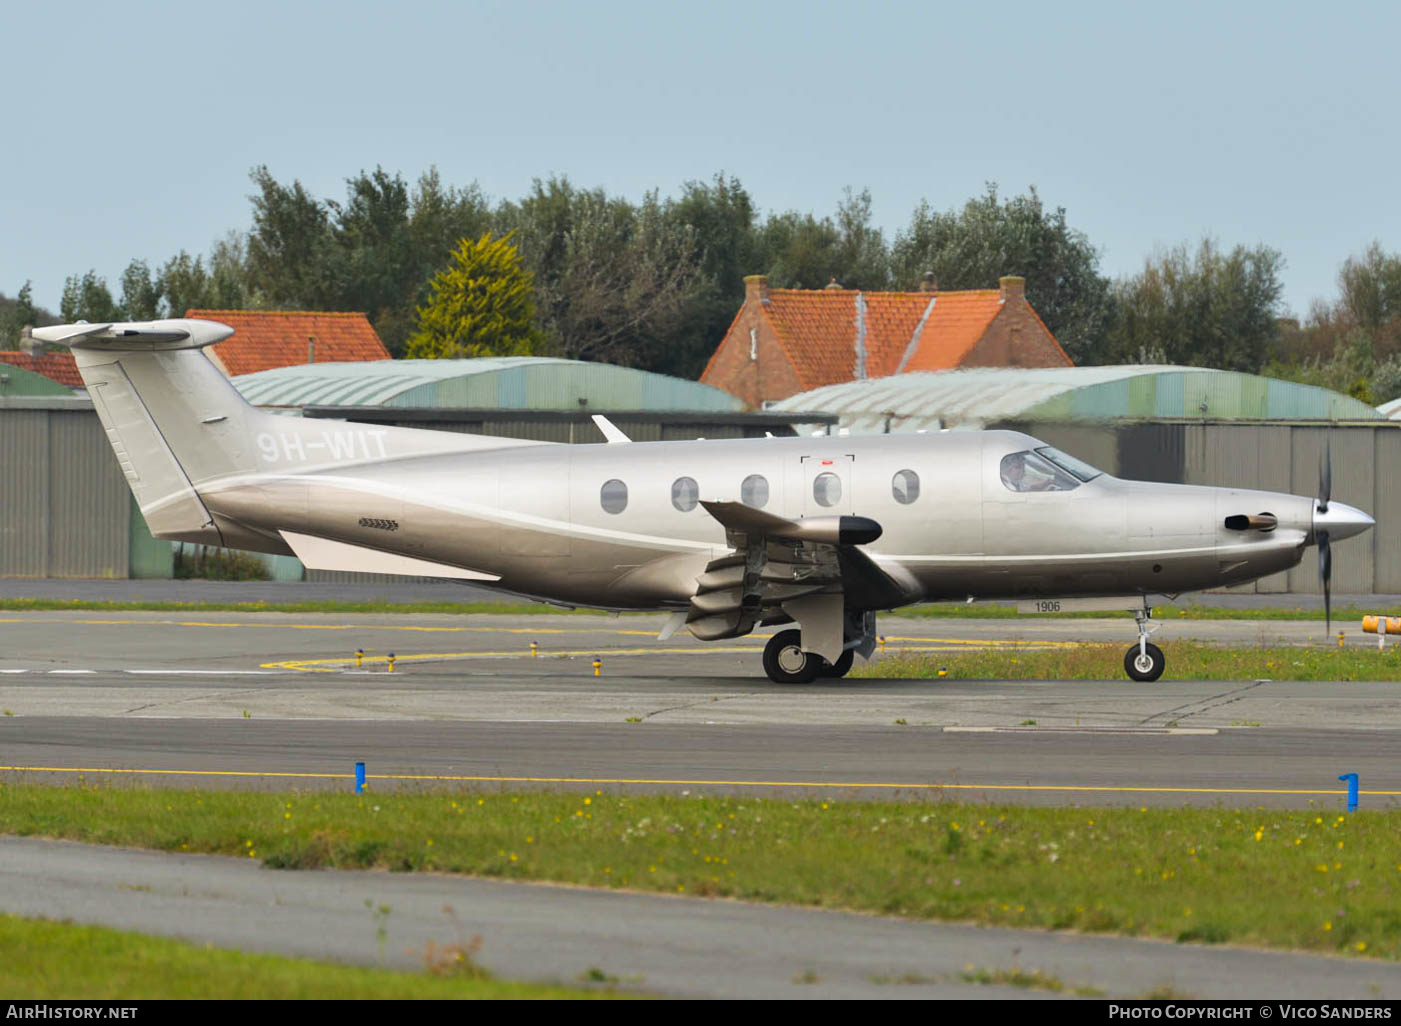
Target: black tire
[(1149, 671), (841, 667), (785, 661)]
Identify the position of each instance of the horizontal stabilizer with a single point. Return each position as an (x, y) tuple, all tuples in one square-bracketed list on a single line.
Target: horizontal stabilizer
[(175, 333), (324, 554)]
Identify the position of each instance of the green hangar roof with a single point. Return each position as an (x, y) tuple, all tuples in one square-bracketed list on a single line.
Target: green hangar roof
[(501, 383), (974, 398)]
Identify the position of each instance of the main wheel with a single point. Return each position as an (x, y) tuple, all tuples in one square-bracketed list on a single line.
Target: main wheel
[(785, 661), (1147, 666), (841, 667)]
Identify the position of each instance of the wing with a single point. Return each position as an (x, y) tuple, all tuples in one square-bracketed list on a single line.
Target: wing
[(811, 570)]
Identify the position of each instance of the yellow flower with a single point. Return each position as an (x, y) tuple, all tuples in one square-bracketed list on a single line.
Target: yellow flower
[(1327, 926), (1361, 945)]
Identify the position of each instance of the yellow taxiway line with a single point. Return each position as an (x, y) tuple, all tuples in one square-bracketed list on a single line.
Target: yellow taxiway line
[(834, 784), (332, 664)]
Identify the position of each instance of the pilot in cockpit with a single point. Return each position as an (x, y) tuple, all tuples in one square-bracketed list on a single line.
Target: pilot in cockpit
[(1015, 476), (1027, 472)]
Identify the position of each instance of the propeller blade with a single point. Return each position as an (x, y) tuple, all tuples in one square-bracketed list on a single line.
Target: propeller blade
[(1325, 478), (1325, 573)]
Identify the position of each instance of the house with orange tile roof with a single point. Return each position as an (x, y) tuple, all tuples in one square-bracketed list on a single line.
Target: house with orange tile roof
[(264, 339), (785, 341), (59, 367)]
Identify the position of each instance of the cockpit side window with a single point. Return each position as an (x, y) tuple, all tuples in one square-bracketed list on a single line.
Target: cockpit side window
[(1065, 461), (1028, 472)]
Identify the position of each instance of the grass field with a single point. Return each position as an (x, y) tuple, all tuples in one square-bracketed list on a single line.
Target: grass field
[(1306, 880), (1186, 660), (42, 960)]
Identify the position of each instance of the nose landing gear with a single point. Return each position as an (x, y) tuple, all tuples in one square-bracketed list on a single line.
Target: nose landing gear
[(1144, 661)]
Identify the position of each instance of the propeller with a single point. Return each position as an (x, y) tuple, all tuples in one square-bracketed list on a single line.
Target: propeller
[(1325, 551)]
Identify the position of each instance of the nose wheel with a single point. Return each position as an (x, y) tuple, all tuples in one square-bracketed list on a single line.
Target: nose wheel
[(1144, 661)]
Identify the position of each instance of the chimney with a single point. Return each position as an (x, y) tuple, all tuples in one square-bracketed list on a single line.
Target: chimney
[(1013, 288), (756, 288), (833, 284), (927, 283), (311, 349), (27, 344)]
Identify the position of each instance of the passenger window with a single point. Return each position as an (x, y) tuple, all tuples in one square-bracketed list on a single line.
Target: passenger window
[(827, 489), (754, 491), (613, 496), (905, 486), (685, 493), (1028, 472)]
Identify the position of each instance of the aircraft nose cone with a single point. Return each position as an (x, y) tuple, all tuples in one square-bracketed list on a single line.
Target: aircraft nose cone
[(1341, 521)]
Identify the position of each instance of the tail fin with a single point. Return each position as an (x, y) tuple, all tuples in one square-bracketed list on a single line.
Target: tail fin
[(178, 424), (174, 420)]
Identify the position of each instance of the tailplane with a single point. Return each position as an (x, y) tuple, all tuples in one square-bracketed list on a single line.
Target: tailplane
[(179, 426), (173, 419)]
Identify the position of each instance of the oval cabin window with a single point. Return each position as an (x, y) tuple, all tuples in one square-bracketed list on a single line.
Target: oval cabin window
[(613, 496), (754, 491), (685, 493), (827, 489)]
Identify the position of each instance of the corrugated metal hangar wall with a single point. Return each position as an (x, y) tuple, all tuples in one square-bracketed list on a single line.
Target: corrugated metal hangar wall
[(67, 509), (68, 512)]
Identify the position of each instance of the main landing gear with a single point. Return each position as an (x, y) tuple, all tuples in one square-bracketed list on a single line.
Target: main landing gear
[(1144, 661), (786, 663)]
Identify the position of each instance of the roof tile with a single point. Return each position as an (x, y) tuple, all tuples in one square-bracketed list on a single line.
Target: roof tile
[(264, 339), (818, 330), (60, 367)]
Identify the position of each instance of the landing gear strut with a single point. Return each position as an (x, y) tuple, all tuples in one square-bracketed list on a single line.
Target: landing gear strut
[(1144, 661)]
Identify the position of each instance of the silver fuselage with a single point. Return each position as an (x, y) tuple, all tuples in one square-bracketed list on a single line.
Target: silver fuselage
[(533, 515)]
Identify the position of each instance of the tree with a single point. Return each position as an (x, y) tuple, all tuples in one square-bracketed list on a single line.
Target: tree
[(721, 216), (1205, 309), (802, 252), (184, 285), (140, 295), (973, 247), (481, 305), (88, 298), (229, 286), (17, 314), (614, 282), (290, 244)]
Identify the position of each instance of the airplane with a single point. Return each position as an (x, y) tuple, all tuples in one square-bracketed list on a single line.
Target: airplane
[(727, 535)]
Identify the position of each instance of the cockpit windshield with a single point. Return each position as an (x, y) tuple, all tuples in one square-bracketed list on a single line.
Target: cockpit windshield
[(1065, 461), (1029, 472)]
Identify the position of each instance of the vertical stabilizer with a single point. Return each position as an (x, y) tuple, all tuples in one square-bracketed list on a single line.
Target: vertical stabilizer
[(174, 421)]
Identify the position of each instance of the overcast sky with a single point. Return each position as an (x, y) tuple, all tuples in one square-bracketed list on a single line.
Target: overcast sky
[(130, 128)]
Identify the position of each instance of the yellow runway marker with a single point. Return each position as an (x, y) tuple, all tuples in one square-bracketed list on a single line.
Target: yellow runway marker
[(833, 784)]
